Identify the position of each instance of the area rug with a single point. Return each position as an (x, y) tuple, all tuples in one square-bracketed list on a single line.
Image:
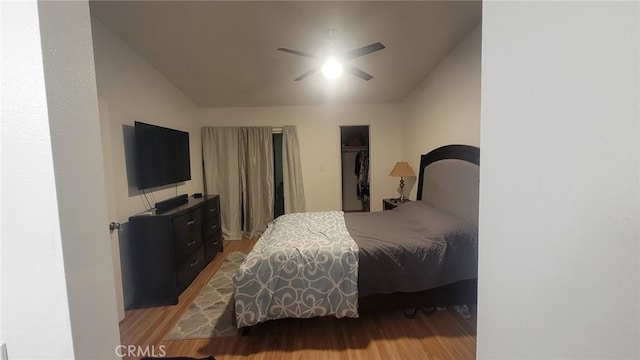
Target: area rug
[(211, 313)]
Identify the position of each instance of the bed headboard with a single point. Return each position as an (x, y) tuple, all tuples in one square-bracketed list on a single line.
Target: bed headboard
[(449, 180)]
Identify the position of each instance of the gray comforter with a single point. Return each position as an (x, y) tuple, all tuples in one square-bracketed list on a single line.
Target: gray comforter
[(413, 247)]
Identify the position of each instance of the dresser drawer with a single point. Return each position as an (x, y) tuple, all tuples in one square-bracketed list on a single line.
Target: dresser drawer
[(190, 268), (211, 228), (212, 209), (187, 233), (212, 245)]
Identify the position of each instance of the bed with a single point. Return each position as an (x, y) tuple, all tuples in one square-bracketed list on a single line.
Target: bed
[(422, 253)]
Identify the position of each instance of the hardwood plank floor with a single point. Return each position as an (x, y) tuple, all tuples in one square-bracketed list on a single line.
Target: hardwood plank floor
[(374, 336)]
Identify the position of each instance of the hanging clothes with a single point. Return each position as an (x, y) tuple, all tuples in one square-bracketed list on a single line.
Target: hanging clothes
[(362, 172)]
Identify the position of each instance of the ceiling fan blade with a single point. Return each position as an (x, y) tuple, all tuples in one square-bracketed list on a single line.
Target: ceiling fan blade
[(299, 53), (362, 51), (357, 72), (310, 72)]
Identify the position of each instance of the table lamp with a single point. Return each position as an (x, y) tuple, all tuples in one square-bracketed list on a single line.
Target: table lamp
[(402, 169)]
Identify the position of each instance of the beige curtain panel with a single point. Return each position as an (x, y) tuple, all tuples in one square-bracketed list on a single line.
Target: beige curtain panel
[(256, 169), (292, 171), (221, 161)]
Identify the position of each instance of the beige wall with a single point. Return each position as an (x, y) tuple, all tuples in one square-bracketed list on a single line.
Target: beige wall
[(445, 108), (135, 91), (319, 133)]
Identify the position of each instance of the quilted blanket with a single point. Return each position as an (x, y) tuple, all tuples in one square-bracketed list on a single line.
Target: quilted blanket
[(304, 265)]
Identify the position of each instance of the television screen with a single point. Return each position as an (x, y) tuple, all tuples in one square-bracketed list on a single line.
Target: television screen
[(162, 155)]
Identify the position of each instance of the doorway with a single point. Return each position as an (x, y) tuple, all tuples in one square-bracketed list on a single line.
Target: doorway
[(354, 148)]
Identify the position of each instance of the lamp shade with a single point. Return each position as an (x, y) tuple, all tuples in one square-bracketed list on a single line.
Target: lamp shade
[(402, 168)]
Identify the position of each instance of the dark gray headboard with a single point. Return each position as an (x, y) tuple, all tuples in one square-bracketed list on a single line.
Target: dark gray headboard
[(449, 180)]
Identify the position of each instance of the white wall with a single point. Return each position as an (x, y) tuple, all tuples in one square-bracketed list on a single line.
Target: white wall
[(57, 287), (72, 106), (3, 102), (445, 108), (319, 135), (559, 189), (35, 312), (136, 91)]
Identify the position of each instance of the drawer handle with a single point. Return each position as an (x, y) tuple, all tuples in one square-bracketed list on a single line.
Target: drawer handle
[(191, 222), (191, 243), (212, 210), (214, 226), (194, 263)]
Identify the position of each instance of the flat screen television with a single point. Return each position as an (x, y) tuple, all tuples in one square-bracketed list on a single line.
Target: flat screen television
[(162, 156)]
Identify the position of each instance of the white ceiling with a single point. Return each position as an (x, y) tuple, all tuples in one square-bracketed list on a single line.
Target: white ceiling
[(224, 54)]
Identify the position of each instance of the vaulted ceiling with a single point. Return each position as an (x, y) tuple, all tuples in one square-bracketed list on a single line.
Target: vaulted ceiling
[(224, 53)]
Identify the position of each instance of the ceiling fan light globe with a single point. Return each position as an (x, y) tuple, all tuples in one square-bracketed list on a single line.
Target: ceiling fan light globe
[(332, 69)]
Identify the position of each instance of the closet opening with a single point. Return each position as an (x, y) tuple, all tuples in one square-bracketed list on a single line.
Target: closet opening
[(354, 148)]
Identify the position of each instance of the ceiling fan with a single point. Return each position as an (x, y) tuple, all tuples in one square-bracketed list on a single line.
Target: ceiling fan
[(333, 66)]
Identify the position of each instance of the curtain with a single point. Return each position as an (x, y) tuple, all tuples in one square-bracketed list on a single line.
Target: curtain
[(238, 165), (256, 169), (221, 162), (292, 171)]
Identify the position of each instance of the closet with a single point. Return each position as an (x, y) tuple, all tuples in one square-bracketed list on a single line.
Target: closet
[(354, 148)]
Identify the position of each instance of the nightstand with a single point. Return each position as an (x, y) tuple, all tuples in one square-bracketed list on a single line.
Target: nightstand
[(388, 204)]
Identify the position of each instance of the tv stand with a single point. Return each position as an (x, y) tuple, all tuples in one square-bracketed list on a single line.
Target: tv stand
[(166, 205)]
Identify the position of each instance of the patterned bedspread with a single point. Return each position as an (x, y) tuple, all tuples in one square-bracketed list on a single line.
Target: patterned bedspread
[(304, 265)]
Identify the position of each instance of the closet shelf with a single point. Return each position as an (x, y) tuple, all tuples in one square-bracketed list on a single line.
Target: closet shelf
[(354, 148)]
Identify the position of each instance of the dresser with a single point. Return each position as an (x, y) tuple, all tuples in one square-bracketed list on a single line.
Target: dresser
[(168, 250)]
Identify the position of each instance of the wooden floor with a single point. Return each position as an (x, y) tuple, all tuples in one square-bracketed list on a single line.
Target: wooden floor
[(373, 336)]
